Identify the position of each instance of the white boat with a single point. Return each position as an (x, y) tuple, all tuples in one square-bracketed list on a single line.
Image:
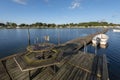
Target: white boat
[(100, 39), (116, 30)]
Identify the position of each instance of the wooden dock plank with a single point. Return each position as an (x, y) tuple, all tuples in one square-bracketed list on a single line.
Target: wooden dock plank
[(61, 72), (66, 75), (3, 74), (90, 69), (104, 69), (67, 70), (84, 76), (77, 74), (44, 75), (15, 72), (72, 74)]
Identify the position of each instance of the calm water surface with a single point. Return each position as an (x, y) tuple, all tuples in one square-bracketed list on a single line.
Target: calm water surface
[(16, 40)]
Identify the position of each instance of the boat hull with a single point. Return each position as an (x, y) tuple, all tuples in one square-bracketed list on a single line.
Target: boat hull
[(101, 39)]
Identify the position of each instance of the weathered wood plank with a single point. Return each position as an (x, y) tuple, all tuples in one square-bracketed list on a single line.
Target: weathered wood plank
[(14, 71), (72, 74), (3, 74), (77, 74), (104, 69)]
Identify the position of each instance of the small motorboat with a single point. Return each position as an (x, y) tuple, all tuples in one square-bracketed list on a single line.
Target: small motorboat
[(116, 30), (100, 39)]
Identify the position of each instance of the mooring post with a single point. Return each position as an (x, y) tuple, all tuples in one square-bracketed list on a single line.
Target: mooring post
[(85, 48), (29, 38), (96, 49), (58, 38)]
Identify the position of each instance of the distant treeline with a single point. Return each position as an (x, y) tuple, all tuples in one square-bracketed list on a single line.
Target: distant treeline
[(45, 25)]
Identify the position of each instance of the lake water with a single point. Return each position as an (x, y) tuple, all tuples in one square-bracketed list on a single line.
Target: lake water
[(13, 41)]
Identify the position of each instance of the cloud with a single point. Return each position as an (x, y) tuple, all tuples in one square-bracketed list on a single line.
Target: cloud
[(24, 2), (75, 4)]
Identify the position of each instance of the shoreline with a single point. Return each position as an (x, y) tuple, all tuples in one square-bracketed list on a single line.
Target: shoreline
[(65, 28)]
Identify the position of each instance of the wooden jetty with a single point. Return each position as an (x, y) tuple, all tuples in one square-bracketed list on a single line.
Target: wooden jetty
[(83, 67), (63, 62)]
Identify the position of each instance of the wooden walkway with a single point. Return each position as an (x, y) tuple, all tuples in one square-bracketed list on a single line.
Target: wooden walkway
[(80, 66), (83, 67)]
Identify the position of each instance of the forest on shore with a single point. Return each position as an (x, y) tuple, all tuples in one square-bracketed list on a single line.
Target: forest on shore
[(53, 25)]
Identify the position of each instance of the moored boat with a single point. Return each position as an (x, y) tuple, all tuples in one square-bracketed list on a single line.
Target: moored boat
[(116, 30), (101, 39)]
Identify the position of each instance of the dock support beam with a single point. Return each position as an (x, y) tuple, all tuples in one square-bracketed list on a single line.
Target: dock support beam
[(29, 75)]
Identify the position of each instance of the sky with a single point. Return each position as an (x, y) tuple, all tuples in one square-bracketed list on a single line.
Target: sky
[(59, 11)]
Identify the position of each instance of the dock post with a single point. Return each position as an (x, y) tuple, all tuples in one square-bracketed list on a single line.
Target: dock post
[(29, 75), (95, 49), (28, 37), (54, 69), (58, 38), (85, 48)]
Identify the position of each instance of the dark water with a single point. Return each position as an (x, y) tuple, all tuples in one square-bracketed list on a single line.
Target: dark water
[(16, 40)]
